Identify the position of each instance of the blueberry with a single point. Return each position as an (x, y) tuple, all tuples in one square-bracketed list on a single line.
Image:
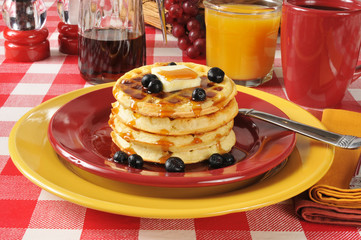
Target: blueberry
[(199, 94), (146, 79), (171, 63), (228, 159), (216, 160), (155, 86), (135, 161), (215, 75), (120, 157), (174, 164)]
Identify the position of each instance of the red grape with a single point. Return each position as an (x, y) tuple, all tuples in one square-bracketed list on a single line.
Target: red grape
[(167, 4), (202, 33), (178, 30), (187, 25), (193, 24), (184, 43), (194, 35), (175, 11), (190, 8), (200, 44), (169, 19), (192, 52), (195, 2), (200, 19), (170, 2), (184, 19)]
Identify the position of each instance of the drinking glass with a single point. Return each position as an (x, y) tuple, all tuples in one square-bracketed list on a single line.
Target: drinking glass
[(242, 37)]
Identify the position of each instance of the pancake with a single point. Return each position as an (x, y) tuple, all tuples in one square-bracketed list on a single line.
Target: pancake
[(149, 154), (175, 126), (130, 93), (169, 142)]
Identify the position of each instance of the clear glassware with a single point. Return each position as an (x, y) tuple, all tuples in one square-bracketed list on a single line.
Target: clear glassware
[(68, 11), (111, 38), (23, 15)]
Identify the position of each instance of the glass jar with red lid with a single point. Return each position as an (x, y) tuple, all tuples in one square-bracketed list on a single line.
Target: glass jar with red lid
[(25, 34), (68, 11)]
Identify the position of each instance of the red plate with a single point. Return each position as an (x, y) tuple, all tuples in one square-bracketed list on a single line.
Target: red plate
[(79, 133)]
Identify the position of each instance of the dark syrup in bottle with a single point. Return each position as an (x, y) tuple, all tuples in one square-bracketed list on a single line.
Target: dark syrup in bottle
[(106, 54)]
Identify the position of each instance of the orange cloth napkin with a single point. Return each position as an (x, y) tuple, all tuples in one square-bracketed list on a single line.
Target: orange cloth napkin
[(333, 188), (330, 200), (319, 213)]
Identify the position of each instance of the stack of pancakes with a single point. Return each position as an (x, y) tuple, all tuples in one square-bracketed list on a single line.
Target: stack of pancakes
[(170, 124)]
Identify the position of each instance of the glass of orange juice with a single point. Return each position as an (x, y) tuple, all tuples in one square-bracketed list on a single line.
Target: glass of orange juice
[(241, 38)]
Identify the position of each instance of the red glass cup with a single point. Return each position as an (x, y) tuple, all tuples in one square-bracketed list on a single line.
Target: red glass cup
[(320, 45)]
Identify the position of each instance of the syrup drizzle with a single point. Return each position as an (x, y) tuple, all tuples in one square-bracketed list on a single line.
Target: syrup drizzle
[(167, 101), (128, 136), (164, 132), (131, 123), (165, 144), (164, 158), (184, 74), (197, 140)]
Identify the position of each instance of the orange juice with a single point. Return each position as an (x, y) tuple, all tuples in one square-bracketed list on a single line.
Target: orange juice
[(241, 39)]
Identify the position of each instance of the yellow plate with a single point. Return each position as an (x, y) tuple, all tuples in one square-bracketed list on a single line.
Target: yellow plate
[(33, 155)]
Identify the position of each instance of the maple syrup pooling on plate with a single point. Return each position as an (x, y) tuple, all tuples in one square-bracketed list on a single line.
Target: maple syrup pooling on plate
[(106, 54)]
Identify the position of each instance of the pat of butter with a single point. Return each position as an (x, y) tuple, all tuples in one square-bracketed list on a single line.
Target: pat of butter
[(176, 77)]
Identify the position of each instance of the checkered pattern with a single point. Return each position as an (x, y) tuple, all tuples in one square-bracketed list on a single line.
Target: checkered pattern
[(27, 212)]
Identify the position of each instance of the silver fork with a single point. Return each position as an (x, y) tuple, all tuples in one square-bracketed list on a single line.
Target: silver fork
[(338, 140)]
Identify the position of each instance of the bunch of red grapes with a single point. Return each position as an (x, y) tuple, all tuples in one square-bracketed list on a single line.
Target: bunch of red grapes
[(187, 25)]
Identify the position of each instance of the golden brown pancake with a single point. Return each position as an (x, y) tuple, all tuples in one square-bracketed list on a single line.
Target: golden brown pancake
[(189, 155), (129, 92), (175, 126)]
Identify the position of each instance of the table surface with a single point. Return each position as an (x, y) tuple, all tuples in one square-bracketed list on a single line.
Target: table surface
[(28, 212)]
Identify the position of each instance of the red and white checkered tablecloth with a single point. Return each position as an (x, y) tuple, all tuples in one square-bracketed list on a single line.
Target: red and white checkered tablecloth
[(28, 212)]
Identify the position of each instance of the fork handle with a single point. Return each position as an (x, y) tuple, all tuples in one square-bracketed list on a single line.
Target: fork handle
[(343, 141)]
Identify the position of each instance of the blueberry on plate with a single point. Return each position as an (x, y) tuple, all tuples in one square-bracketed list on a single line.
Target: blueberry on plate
[(174, 164), (135, 161), (216, 160), (228, 159), (199, 94), (120, 157), (155, 86), (215, 75), (146, 79), (171, 64)]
